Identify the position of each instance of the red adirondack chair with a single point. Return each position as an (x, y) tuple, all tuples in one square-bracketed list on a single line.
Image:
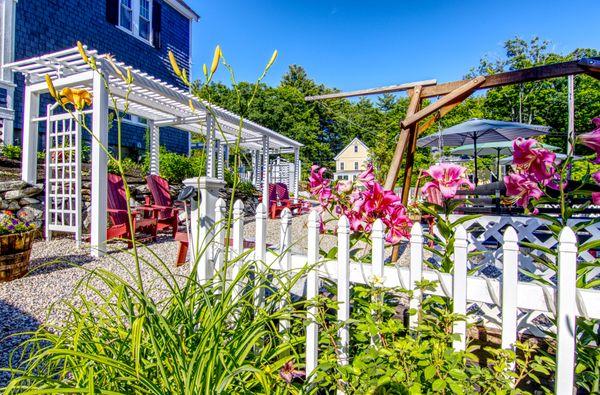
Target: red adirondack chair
[(118, 215), (167, 214), (282, 200)]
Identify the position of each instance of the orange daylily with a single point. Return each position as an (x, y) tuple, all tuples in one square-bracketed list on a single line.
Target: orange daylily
[(79, 98)]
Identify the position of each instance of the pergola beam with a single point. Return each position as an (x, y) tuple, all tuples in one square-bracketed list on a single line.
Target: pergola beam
[(517, 76), (460, 91), (372, 91)]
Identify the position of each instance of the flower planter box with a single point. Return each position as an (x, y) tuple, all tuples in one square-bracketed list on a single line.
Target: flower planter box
[(15, 250)]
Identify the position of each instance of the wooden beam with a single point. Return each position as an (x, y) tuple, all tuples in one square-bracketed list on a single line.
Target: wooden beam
[(403, 140), (461, 91), (515, 77), (372, 91), (436, 117), (591, 64)]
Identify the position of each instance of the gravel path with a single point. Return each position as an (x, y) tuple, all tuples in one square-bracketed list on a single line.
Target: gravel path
[(58, 265)]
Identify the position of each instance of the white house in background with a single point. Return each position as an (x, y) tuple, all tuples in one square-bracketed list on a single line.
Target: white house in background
[(351, 161)]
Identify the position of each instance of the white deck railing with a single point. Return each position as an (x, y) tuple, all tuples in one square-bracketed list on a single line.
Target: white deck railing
[(565, 301)]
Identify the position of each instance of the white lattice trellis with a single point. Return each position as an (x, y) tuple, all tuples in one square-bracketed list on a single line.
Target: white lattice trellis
[(63, 175)]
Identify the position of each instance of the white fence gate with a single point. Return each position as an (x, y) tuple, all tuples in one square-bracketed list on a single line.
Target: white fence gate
[(63, 175), (565, 302)]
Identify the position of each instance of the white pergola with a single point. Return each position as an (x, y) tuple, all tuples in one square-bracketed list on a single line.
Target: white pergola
[(160, 103)]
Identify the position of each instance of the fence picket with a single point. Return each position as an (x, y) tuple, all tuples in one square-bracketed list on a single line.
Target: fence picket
[(343, 287), (260, 251), (219, 244), (416, 272), (510, 272), (285, 242), (566, 310), (459, 287), (238, 242), (312, 289), (378, 256)]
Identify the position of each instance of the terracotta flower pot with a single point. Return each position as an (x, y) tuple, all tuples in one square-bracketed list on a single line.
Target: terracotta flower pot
[(15, 250)]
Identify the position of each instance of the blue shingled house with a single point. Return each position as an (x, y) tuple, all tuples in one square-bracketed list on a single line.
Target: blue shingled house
[(137, 32)]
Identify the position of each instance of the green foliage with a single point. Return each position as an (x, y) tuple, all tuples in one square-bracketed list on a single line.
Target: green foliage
[(388, 358), (199, 338), (11, 151), (244, 190), (176, 167), (130, 167)]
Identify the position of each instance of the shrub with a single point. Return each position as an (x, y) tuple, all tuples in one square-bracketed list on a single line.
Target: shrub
[(11, 151), (130, 167), (176, 167)]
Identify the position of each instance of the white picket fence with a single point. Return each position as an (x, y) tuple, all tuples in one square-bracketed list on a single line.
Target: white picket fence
[(565, 301)]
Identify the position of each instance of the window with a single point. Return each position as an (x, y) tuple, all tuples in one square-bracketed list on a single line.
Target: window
[(135, 16), (341, 165), (134, 119), (355, 165), (356, 148)]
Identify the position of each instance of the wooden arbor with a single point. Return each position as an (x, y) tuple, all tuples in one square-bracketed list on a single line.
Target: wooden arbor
[(450, 95)]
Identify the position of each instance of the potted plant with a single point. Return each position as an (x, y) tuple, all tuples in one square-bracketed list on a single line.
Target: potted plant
[(16, 238)]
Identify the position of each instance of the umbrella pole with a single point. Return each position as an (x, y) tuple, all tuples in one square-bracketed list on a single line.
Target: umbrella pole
[(475, 178), (498, 165)]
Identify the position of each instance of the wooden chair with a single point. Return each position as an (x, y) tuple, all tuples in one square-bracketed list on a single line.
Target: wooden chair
[(282, 200), (119, 217), (167, 214)]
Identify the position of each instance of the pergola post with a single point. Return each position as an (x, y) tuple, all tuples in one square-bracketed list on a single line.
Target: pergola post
[(30, 135), (210, 146), (255, 167), (99, 165), (296, 173), (219, 147), (154, 148), (265, 170)]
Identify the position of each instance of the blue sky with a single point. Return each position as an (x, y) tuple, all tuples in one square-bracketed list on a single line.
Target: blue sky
[(362, 44)]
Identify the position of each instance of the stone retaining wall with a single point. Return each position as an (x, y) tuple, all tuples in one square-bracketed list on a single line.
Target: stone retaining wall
[(23, 199)]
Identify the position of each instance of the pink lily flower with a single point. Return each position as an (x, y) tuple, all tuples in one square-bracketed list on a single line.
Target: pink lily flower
[(521, 189), (367, 177), (592, 139), (288, 372), (539, 162), (379, 201), (319, 185), (399, 226), (447, 178), (596, 177), (596, 198)]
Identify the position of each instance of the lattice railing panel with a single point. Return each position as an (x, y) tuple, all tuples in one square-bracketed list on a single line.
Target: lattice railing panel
[(63, 175)]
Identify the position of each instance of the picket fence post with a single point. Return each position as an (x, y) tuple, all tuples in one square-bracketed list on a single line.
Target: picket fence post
[(566, 310), (378, 256), (510, 278), (260, 251), (415, 272), (285, 242), (237, 243), (312, 289), (343, 288), (459, 287), (219, 244)]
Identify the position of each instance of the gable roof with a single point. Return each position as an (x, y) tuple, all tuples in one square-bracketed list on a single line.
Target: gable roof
[(183, 8), (354, 140)]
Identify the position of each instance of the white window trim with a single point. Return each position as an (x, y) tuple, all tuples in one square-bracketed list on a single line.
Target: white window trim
[(135, 21), (135, 120)]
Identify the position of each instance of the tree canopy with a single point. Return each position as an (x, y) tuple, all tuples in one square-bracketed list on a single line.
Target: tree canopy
[(325, 127)]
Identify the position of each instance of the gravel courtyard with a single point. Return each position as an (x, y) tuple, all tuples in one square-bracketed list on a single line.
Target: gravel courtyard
[(58, 265)]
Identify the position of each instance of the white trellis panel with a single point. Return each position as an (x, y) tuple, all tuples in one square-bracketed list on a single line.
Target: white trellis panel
[(63, 175)]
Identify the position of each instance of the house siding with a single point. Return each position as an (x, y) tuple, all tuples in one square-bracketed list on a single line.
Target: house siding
[(348, 157), (44, 26)]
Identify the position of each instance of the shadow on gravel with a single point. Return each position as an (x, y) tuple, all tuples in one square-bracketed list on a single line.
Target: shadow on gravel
[(52, 264), (12, 322)]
